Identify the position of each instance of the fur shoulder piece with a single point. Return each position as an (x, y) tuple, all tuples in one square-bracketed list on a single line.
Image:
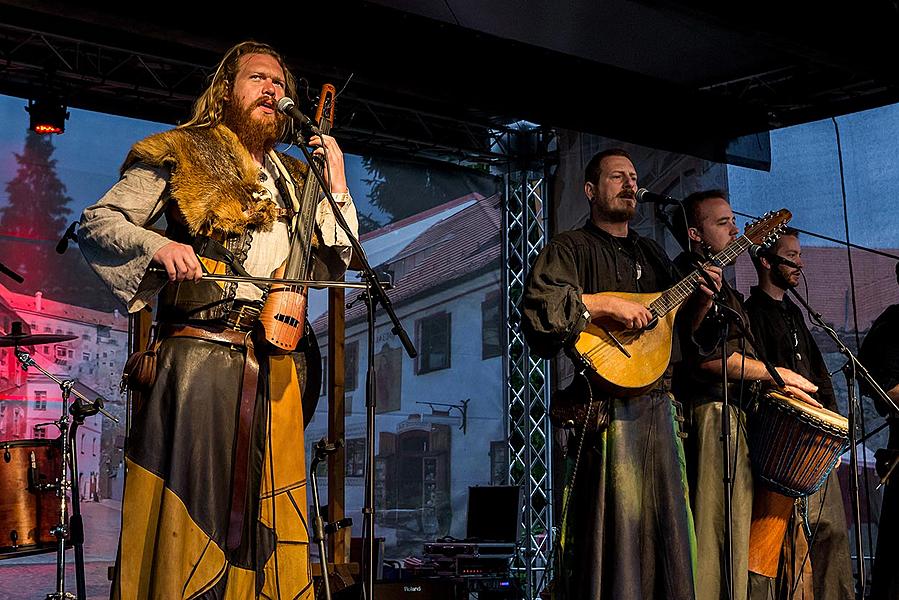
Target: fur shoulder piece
[(214, 181), (295, 167)]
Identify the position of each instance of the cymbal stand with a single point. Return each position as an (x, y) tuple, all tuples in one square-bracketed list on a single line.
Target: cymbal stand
[(70, 529)]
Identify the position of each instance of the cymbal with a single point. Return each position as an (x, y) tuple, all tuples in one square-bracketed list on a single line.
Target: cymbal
[(33, 340), (18, 337)]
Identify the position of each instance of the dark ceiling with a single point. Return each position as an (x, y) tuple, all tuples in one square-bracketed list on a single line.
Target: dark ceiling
[(440, 78)]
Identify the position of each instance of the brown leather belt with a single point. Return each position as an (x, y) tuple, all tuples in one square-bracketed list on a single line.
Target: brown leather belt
[(246, 410)]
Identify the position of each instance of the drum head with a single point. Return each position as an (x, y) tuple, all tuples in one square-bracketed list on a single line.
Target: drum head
[(828, 417)]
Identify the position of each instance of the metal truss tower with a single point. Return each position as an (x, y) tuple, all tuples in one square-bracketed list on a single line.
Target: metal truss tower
[(525, 232)]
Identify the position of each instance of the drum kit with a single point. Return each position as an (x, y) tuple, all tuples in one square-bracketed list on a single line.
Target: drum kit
[(39, 477)]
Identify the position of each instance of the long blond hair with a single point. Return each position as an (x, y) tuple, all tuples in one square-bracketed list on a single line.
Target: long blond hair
[(209, 107)]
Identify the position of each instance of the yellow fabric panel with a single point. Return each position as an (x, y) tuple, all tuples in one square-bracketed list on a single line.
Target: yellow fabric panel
[(214, 267), (165, 555), (288, 571)]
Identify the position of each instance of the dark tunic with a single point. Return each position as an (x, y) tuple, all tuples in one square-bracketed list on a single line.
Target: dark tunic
[(880, 355), (785, 340), (692, 385), (628, 530), (586, 261)]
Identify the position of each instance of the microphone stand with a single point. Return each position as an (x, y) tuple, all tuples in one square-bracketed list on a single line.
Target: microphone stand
[(322, 450), (729, 315), (851, 370), (374, 294)]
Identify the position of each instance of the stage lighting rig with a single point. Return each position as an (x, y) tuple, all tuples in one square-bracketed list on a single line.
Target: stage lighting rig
[(47, 114)]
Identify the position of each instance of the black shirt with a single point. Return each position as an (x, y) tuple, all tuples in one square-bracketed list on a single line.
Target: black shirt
[(880, 354), (785, 340), (691, 383), (588, 260)]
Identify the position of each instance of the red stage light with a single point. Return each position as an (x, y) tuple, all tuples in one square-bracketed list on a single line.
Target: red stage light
[(47, 115)]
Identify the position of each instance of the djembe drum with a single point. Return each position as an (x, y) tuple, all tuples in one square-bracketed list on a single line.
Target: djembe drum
[(793, 446)]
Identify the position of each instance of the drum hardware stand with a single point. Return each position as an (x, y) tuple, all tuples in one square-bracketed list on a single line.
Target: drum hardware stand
[(319, 528), (851, 370), (68, 528), (374, 294)]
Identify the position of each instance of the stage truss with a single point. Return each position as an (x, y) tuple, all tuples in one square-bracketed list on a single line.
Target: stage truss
[(527, 378)]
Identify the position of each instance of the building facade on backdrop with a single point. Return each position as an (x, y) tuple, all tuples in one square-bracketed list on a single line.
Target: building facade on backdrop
[(30, 401), (440, 418)]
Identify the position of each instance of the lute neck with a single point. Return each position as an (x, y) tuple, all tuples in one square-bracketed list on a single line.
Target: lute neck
[(675, 296)]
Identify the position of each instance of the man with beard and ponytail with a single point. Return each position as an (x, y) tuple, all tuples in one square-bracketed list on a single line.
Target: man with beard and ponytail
[(786, 341), (627, 532), (215, 499)]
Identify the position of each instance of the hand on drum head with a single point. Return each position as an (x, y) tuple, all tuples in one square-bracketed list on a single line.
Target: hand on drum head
[(798, 386), (800, 395)]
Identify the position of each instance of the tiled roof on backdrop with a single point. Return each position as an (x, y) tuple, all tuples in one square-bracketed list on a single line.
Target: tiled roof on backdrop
[(462, 244)]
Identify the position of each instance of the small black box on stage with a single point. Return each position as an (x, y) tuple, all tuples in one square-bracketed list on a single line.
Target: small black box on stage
[(494, 513)]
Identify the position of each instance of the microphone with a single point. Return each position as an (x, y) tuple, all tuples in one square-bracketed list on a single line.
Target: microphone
[(11, 274), (758, 252), (288, 107), (643, 196), (63, 243)]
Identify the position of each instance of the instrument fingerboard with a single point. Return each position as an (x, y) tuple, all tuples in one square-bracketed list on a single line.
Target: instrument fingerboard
[(299, 262)]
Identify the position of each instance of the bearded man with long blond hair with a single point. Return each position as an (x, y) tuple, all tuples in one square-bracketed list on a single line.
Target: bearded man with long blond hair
[(215, 499)]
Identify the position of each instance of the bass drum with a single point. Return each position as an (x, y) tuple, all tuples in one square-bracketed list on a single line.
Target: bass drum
[(29, 507)]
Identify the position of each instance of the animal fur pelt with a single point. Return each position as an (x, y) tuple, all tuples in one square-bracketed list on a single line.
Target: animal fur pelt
[(214, 180)]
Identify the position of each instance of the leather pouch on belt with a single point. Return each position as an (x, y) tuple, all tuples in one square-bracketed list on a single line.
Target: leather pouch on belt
[(139, 373)]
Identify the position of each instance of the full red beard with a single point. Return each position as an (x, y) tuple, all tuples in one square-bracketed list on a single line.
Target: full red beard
[(257, 134)]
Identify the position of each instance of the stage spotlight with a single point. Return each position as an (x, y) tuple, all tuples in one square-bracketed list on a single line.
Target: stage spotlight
[(47, 115)]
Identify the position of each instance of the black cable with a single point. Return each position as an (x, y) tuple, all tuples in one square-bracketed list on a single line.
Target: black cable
[(452, 12), (568, 490)]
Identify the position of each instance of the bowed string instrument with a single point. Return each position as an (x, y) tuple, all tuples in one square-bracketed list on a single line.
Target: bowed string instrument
[(283, 317)]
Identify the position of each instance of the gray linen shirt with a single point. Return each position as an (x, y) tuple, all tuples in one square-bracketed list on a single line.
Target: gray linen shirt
[(115, 240)]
